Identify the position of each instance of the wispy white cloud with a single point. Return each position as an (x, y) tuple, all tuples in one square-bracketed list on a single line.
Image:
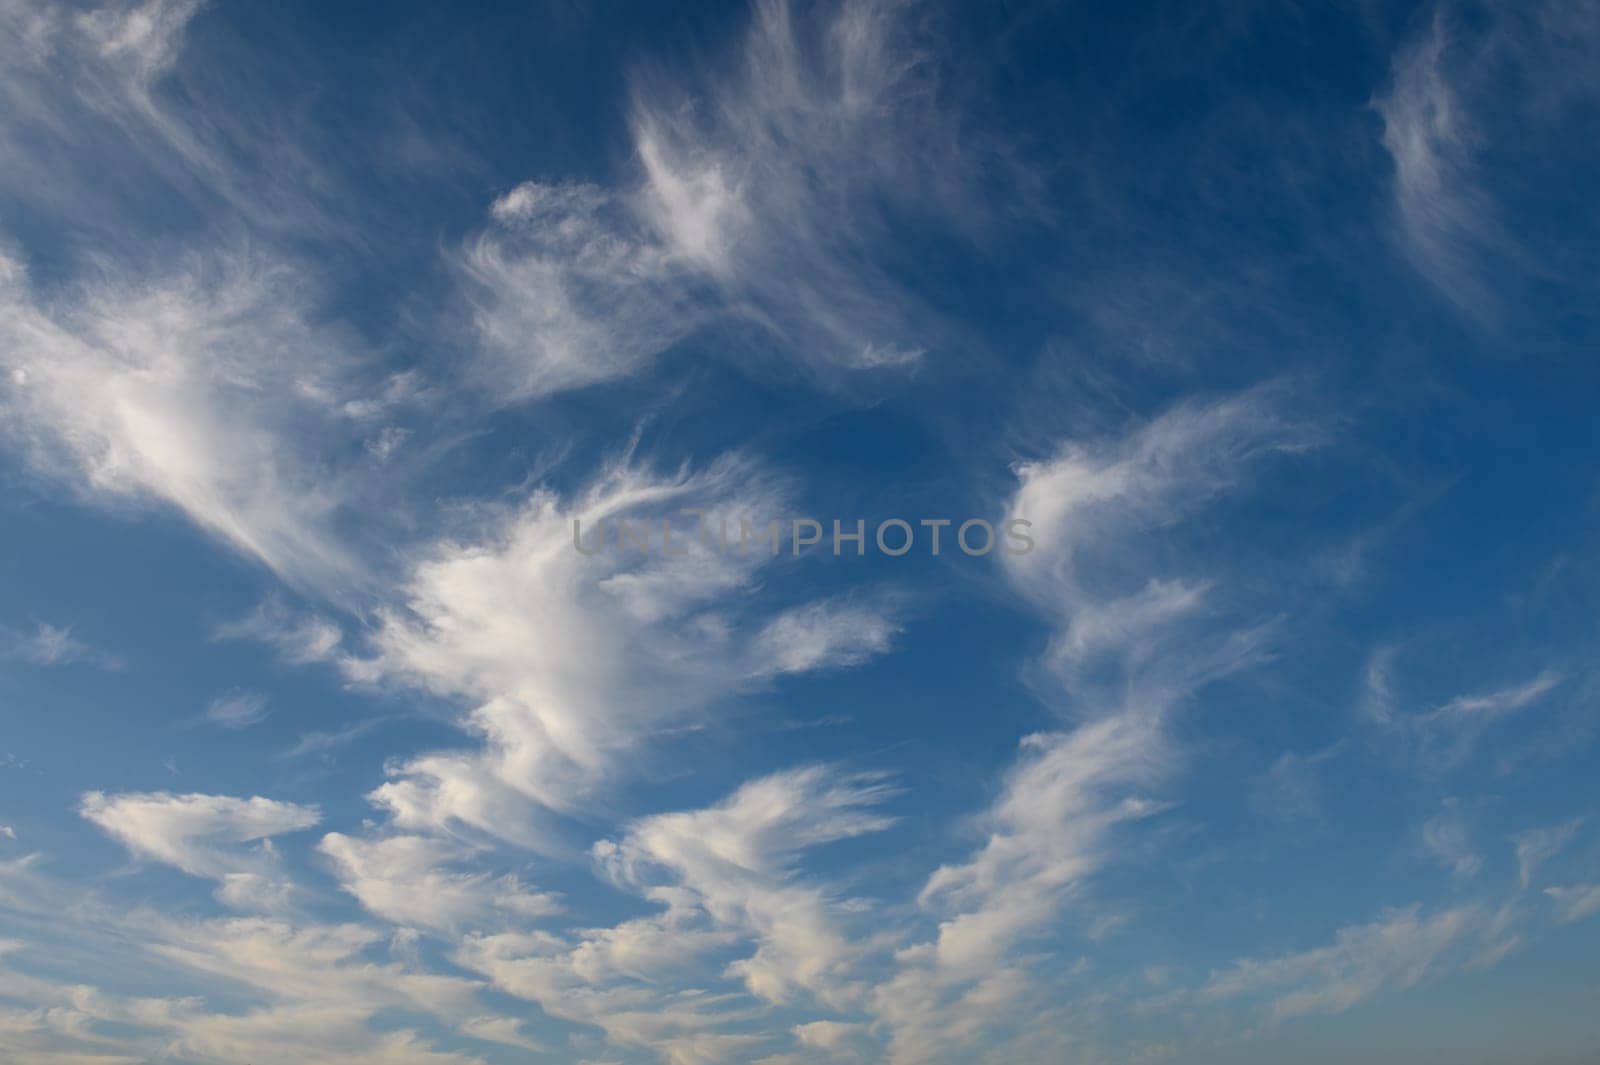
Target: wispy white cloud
[(274, 992), (326, 741), (1490, 706), (764, 197), (1292, 787), (1395, 952), (734, 860), (1054, 825), (197, 391), (1446, 112), (299, 638), (838, 1039), (1446, 735), (1536, 846), (1445, 218), (237, 709), (1088, 572), (1051, 831), (409, 880), (567, 290), (572, 660), (1576, 901), (774, 179), (206, 836), (823, 635), (725, 879), (52, 645), (1448, 838), (143, 34)]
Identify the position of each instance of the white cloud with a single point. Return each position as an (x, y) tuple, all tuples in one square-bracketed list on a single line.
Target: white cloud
[(1159, 639), (1052, 827), (326, 741), (1447, 735), (1490, 706), (567, 291), (507, 1031), (299, 638), (1292, 787), (1392, 953), (1446, 113), (1090, 572), (1538, 845), (1445, 219), (765, 194), (772, 179), (725, 878), (237, 709), (824, 635), (571, 660), (1448, 838), (197, 391), (680, 1027), (143, 34), (51, 645), (1051, 832), (834, 1037), (407, 880), (204, 835), (734, 858), (1576, 901), (270, 992)]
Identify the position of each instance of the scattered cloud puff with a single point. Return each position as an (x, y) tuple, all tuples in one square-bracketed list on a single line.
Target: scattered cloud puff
[(1537, 846), (1576, 901), (1448, 838), (237, 709), (299, 638), (51, 645)]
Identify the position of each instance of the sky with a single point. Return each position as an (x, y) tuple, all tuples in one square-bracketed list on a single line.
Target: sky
[(430, 441)]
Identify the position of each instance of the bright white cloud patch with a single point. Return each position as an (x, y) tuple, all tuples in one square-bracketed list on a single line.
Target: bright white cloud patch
[(190, 392), (409, 880), (573, 659), (213, 836)]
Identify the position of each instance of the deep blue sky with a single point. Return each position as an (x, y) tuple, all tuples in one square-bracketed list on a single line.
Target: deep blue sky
[(321, 324)]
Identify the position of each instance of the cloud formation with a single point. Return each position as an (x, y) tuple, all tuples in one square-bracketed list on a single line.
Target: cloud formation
[(206, 836), (192, 392), (765, 199), (572, 660)]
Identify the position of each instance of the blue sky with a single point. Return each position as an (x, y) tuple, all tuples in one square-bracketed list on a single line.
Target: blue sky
[(321, 325)]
